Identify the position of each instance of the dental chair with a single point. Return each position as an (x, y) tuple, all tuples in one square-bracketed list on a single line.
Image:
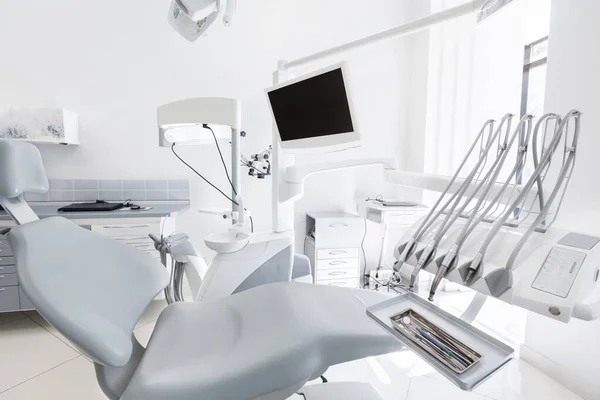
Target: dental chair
[(265, 343)]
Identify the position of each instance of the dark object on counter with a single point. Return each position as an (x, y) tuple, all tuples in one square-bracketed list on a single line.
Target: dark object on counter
[(98, 206)]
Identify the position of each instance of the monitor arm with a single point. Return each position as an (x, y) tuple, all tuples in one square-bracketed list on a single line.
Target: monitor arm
[(292, 187)]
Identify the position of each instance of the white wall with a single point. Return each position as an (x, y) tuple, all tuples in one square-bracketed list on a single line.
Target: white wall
[(571, 353), (114, 62)]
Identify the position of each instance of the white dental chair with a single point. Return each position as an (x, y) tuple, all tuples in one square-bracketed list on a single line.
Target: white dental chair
[(265, 343)]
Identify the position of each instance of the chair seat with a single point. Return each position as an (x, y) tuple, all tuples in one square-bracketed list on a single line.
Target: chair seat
[(269, 339)]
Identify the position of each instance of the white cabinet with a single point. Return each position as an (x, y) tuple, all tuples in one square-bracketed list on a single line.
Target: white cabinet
[(333, 245), (39, 125), (134, 235)]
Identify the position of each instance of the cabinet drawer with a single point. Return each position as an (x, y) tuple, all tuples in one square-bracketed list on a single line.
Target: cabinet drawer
[(7, 260), (337, 263), (6, 252), (340, 282), (339, 231), (134, 239), (8, 280), (336, 274), (329, 254), (130, 230), (3, 242), (142, 246), (8, 269), (25, 303), (9, 299)]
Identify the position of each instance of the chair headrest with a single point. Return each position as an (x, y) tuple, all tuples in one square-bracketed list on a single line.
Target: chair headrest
[(21, 169)]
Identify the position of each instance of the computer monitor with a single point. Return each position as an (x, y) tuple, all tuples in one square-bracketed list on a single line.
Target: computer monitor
[(315, 112)]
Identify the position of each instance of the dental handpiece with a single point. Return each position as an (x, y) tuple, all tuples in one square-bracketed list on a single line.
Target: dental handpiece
[(436, 211), (472, 223), (486, 183), (441, 272), (476, 263)]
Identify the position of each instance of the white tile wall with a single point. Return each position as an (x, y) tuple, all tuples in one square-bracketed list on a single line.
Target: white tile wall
[(114, 190)]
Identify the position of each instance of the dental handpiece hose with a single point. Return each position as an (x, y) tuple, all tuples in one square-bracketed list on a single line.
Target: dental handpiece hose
[(492, 177), (476, 263), (451, 217), (487, 182), (434, 213), (520, 161)]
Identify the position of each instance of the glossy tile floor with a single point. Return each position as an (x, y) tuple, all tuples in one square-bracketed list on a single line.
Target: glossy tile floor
[(37, 363)]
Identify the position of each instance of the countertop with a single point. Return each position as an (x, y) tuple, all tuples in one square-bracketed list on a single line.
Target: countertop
[(159, 209)]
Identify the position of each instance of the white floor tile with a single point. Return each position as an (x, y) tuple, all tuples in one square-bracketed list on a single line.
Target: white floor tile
[(74, 380), (28, 350), (38, 319), (423, 388), (520, 381), (389, 380)]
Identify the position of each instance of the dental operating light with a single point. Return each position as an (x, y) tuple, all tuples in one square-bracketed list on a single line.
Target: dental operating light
[(191, 18)]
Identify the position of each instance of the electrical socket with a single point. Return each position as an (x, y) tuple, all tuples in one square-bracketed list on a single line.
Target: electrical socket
[(383, 276)]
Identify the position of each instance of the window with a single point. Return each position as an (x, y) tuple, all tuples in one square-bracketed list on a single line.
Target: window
[(534, 89), (534, 77)]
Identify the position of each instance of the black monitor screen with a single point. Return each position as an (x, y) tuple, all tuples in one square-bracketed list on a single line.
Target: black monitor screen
[(313, 107)]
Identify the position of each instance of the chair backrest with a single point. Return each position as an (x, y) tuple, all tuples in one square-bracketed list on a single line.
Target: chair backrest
[(89, 287)]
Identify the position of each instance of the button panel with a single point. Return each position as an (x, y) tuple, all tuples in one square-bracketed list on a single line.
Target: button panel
[(559, 272)]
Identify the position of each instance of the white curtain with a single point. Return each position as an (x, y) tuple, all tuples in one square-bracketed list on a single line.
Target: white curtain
[(475, 73), (448, 131)]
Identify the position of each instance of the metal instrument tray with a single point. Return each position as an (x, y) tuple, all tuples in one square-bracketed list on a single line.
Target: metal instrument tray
[(494, 353)]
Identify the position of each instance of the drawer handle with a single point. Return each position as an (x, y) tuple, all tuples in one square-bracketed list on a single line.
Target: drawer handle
[(338, 225), (1, 276), (338, 284), (337, 252), (125, 227), (338, 273), (337, 263), (2, 289)]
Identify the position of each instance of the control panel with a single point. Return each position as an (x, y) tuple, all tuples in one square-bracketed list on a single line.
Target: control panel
[(559, 271)]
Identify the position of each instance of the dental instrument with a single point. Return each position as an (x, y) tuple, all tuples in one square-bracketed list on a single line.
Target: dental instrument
[(430, 248), (501, 280), (520, 257), (408, 248), (458, 351), (451, 257), (499, 277)]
